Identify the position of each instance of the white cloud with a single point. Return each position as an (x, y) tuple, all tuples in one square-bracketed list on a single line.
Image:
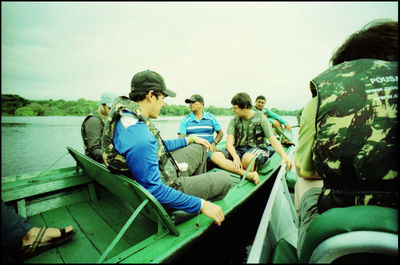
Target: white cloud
[(72, 50)]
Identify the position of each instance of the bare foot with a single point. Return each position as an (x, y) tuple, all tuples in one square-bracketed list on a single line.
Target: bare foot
[(253, 176), (50, 234)]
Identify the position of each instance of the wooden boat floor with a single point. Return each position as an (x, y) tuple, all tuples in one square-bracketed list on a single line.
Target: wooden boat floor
[(97, 224)]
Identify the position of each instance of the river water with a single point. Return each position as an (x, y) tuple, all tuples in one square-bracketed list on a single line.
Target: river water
[(30, 144), (35, 144)]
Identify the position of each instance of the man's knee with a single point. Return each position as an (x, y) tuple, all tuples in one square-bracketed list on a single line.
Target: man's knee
[(246, 159), (217, 157), (222, 183)]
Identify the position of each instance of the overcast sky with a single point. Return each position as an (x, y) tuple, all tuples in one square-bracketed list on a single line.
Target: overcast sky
[(72, 50)]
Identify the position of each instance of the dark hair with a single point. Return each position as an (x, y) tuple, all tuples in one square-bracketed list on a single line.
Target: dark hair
[(376, 40), (242, 100), (260, 97), (139, 96)]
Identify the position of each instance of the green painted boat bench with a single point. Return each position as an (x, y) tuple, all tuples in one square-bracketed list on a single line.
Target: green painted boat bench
[(20, 191), (350, 234), (130, 192)]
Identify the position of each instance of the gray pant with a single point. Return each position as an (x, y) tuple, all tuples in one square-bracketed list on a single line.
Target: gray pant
[(308, 210), (197, 182)]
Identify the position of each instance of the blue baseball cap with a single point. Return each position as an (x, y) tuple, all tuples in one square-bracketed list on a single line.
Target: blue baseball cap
[(107, 98)]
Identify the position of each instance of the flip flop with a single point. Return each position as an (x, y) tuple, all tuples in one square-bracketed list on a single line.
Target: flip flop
[(38, 247)]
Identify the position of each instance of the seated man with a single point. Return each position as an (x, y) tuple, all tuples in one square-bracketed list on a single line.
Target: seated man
[(247, 135), (201, 124), (349, 146), (133, 145), (274, 119), (92, 127)]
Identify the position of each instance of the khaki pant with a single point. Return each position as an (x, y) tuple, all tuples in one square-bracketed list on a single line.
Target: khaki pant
[(196, 181)]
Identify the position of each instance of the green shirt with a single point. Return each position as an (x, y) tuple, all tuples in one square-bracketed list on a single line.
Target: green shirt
[(306, 141), (265, 124)]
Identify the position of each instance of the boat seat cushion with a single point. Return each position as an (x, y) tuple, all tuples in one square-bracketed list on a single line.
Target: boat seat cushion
[(284, 253), (341, 220), (291, 180)]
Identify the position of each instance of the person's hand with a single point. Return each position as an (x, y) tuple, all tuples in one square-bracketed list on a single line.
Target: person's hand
[(286, 160), (213, 211), (201, 141), (287, 127), (237, 163), (213, 147)]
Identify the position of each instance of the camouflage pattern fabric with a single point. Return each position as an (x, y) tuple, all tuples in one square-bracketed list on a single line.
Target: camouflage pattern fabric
[(265, 112), (255, 134), (356, 134), (115, 161)]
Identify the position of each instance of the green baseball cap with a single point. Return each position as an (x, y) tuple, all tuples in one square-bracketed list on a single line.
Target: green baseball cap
[(149, 80), (194, 98)]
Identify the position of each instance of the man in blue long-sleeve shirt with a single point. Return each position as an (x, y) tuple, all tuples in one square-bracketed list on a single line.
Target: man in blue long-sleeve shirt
[(141, 149)]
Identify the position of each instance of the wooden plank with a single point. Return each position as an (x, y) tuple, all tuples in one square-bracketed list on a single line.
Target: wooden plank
[(97, 230), (92, 192), (79, 249), (57, 200), (115, 213), (21, 205), (36, 175), (31, 189)]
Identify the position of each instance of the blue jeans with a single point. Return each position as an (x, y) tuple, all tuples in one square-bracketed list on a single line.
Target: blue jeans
[(13, 229)]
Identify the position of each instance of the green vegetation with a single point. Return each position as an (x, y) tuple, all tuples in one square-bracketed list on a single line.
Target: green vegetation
[(14, 105)]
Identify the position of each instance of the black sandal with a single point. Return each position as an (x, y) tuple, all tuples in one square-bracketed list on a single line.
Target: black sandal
[(37, 247)]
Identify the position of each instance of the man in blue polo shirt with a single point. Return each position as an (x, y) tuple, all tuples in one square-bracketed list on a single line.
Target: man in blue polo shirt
[(201, 124)]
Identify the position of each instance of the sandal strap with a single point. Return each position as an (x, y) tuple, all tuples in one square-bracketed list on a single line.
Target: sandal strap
[(62, 230), (38, 239)]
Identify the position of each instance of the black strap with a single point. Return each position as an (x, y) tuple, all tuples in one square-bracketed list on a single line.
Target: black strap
[(169, 156)]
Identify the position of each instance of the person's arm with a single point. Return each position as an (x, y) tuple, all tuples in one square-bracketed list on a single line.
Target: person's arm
[(213, 211), (269, 134), (279, 149), (139, 147), (237, 162), (94, 128), (219, 131), (217, 139), (275, 116), (307, 177), (230, 139), (174, 144)]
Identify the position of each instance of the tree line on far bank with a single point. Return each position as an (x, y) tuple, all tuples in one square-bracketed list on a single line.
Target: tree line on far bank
[(15, 105)]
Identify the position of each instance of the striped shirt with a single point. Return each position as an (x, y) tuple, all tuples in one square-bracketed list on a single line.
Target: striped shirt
[(204, 128)]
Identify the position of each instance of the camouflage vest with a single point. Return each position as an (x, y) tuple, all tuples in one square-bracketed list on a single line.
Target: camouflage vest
[(356, 134), (255, 134), (115, 161)]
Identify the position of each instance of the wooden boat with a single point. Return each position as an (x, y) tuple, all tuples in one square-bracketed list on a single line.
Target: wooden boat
[(356, 234), (118, 221)]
